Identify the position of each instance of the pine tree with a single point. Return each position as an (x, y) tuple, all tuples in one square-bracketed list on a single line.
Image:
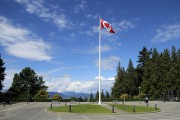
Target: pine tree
[(2, 72), (91, 98), (107, 94), (97, 95), (120, 86), (143, 57), (102, 95), (130, 80)]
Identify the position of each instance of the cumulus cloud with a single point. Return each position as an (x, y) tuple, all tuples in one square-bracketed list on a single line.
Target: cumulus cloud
[(95, 50), (82, 5), (102, 78), (65, 83), (9, 77), (37, 7), (22, 43), (167, 32), (109, 63)]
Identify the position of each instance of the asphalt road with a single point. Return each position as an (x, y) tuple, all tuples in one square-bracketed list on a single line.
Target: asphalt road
[(37, 111)]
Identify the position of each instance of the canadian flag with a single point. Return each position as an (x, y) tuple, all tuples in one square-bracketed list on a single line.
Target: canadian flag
[(107, 26)]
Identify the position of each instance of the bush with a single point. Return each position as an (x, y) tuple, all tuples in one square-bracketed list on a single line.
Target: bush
[(41, 100)]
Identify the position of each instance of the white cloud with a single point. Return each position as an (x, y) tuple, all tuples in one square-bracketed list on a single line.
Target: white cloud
[(167, 32), (95, 50), (9, 77), (95, 16), (65, 83), (82, 5), (38, 8), (102, 78), (22, 43), (123, 25), (109, 63)]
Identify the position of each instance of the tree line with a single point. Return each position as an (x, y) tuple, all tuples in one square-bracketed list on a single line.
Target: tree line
[(156, 74)]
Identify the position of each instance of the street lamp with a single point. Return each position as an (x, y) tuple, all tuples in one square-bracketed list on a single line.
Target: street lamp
[(163, 98), (139, 94), (28, 95)]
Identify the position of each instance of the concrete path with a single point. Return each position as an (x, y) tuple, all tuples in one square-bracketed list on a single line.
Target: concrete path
[(37, 111)]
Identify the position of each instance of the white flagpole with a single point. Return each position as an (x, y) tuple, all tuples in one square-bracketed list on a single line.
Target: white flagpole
[(99, 61)]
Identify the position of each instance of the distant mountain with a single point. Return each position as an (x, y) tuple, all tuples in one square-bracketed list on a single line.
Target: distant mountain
[(66, 95), (75, 94)]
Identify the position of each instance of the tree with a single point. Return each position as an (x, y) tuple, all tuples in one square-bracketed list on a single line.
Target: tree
[(85, 99), (91, 98), (119, 85), (2, 72), (158, 74), (107, 94), (143, 57), (27, 82), (102, 95), (80, 99), (131, 89), (97, 95), (42, 94)]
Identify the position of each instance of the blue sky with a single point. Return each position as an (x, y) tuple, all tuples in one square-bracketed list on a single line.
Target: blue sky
[(59, 38)]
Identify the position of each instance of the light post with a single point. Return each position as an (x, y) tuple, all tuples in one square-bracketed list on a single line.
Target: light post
[(139, 94), (163, 98), (28, 95)]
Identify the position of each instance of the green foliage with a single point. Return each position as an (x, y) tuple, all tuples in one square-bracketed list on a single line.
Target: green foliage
[(27, 82), (124, 96), (56, 96), (2, 72), (107, 95), (97, 95), (156, 73), (85, 99), (73, 98), (42, 94), (102, 95), (91, 98)]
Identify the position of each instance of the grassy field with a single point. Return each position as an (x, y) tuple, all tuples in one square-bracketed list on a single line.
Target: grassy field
[(138, 109), (83, 108)]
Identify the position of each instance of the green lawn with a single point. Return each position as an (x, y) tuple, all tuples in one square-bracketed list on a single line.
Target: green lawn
[(83, 108), (138, 109)]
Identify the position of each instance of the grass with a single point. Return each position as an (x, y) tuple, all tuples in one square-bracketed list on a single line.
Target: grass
[(83, 108), (138, 109)]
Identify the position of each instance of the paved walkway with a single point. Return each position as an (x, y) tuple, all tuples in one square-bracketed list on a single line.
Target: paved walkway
[(12, 106), (37, 111)]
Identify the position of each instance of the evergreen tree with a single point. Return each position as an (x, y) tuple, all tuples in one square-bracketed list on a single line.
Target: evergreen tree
[(85, 99), (119, 85), (97, 95), (2, 72), (143, 57), (91, 98), (27, 80), (107, 94), (130, 80), (102, 95), (156, 73), (174, 72)]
